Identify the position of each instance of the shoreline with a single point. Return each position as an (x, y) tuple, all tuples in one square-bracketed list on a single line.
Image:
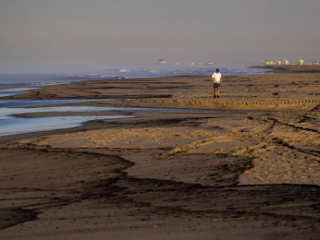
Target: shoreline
[(240, 171)]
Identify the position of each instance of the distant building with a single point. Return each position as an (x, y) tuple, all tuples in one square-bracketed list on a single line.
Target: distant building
[(210, 63), (268, 63), (286, 62), (301, 62), (315, 63), (162, 61), (279, 62)]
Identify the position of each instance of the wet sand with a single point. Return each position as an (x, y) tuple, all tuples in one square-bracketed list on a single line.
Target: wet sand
[(246, 169)]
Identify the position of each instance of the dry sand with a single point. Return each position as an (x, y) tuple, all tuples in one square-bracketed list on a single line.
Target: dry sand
[(247, 170)]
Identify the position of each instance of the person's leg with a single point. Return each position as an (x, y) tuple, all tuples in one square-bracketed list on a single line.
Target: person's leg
[(218, 91), (214, 91)]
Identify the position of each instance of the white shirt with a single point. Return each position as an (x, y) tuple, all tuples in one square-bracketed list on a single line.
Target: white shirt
[(216, 77)]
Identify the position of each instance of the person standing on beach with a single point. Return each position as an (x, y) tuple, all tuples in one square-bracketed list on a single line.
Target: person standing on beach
[(216, 82)]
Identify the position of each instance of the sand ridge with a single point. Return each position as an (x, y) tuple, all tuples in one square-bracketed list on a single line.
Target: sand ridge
[(256, 103)]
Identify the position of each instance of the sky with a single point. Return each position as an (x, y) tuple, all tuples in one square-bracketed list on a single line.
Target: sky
[(81, 35)]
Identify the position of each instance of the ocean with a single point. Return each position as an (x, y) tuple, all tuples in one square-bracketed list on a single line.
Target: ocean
[(21, 81)]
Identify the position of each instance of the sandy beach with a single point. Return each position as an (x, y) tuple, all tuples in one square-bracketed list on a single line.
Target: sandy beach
[(247, 166)]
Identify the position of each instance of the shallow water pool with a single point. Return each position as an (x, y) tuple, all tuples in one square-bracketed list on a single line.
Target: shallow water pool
[(11, 125)]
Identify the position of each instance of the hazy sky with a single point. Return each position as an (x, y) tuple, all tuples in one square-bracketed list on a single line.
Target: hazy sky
[(79, 35)]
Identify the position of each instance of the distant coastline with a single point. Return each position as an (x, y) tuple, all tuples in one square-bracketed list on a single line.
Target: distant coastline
[(290, 68)]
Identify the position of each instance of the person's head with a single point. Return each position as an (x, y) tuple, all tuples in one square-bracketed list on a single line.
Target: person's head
[(217, 70)]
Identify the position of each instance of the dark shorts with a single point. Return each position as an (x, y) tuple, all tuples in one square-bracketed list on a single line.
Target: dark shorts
[(216, 85)]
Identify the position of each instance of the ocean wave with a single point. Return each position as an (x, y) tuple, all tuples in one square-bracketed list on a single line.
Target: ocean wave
[(124, 70), (117, 77), (45, 83)]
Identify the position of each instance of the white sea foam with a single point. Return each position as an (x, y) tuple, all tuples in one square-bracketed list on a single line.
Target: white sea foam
[(47, 83), (124, 70)]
